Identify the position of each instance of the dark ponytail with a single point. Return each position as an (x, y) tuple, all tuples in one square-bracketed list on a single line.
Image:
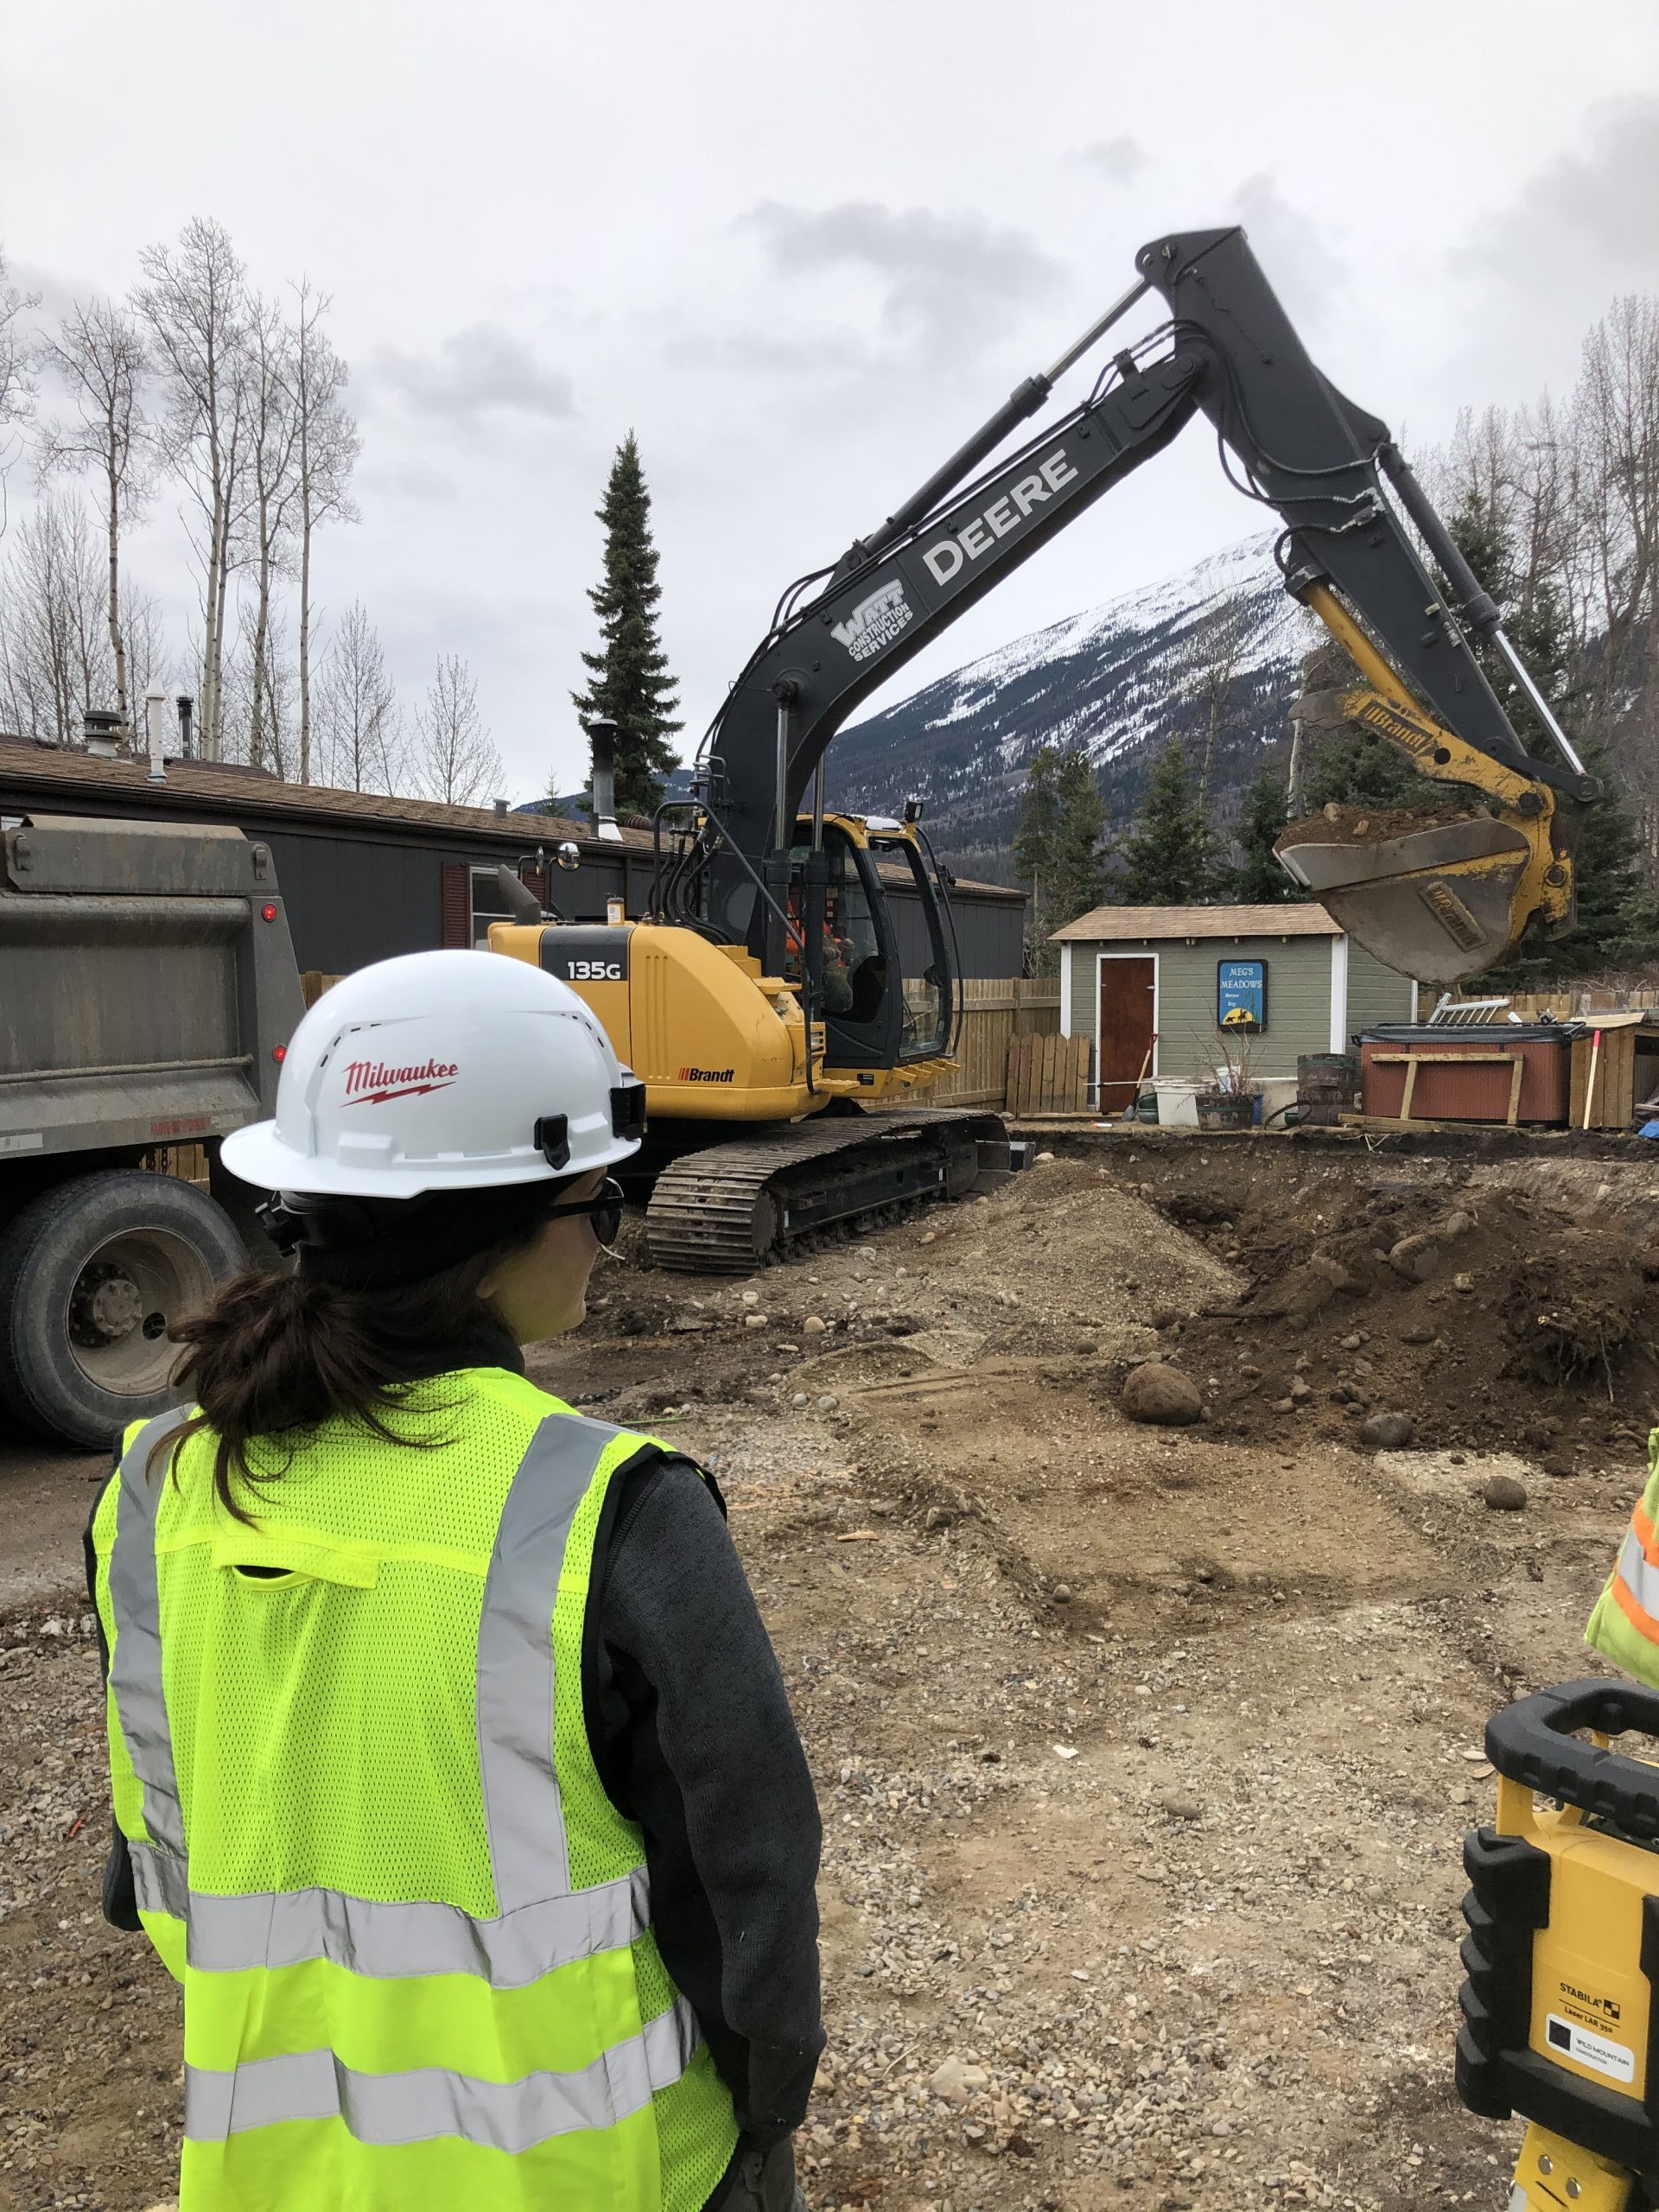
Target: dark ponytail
[(275, 1356)]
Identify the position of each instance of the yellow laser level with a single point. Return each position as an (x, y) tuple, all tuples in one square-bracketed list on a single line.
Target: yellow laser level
[(1560, 2020)]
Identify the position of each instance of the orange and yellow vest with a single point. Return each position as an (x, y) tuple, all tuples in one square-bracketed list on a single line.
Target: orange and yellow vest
[(366, 1830), (1625, 1625)]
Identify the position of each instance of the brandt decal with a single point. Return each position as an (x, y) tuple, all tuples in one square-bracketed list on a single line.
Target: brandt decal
[(874, 622)]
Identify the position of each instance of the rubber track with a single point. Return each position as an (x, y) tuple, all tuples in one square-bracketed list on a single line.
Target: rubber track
[(701, 1218)]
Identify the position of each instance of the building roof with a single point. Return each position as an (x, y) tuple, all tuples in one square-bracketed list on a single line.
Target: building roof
[(41, 773), (25, 765), (1107, 924)]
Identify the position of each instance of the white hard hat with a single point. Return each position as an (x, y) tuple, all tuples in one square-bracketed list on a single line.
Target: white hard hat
[(443, 1072)]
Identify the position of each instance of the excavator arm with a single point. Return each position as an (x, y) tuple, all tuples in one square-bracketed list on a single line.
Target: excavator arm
[(1439, 903)]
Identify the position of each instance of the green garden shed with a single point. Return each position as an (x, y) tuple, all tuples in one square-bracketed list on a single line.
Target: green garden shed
[(1163, 991)]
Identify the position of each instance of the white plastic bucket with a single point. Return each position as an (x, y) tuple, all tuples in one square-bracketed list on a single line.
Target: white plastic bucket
[(1178, 1101)]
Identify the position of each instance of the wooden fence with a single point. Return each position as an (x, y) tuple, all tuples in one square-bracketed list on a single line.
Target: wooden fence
[(313, 984), (1048, 1075), (996, 1010), (187, 1161), (1573, 999)]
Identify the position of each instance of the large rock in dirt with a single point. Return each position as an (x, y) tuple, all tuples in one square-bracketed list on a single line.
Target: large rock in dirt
[(1504, 1494), (1161, 1396), (1387, 1432), (1415, 1258)]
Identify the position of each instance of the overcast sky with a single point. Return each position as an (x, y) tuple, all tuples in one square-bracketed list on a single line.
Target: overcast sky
[(803, 252)]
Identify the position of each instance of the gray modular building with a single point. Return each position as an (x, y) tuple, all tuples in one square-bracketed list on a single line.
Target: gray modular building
[(364, 877), (1162, 991)]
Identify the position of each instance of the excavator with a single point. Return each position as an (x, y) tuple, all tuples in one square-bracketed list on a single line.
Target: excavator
[(763, 996)]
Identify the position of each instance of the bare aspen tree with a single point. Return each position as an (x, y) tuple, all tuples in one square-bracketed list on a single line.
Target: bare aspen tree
[(357, 742), (18, 383), (273, 495), (150, 659), (328, 448), (101, 357), (194, 303), (454, 759), (55, 646), (1617, 407)]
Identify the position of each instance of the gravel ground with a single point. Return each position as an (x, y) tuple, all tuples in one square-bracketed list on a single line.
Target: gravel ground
[(1144, 1757)]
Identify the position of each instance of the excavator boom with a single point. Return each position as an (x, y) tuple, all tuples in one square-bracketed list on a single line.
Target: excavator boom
[(1439, 910)]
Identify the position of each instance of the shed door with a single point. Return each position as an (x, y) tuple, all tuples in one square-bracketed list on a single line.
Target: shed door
[(1127, 992)]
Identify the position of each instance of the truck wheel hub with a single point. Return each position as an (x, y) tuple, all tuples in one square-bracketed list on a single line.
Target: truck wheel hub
[(106, 1305)]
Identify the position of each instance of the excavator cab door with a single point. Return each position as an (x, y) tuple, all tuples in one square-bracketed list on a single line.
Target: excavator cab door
[(870, 945), (926, 934)]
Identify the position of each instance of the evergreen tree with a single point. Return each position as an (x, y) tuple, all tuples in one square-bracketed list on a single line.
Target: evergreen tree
[(1033, 849), (1056, 848), (1079, 872), (1168, 858), (630, 680), (1259, 880)]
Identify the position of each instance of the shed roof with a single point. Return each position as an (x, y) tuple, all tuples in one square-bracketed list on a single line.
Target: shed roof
[(1106, 923)]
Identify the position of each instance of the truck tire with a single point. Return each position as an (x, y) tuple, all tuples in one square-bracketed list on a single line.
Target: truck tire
[(94, 1272)]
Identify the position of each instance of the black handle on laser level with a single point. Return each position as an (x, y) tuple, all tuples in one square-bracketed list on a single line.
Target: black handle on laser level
[(1532, 1742)]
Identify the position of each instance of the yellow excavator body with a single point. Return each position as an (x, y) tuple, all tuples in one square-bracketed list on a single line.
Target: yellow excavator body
[(711, 1038)]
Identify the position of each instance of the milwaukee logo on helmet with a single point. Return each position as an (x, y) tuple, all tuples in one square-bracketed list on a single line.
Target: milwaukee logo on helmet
[(371, 1083)]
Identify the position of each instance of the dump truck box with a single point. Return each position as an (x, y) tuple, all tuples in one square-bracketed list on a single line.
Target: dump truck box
[(148, 992), (146, 979)]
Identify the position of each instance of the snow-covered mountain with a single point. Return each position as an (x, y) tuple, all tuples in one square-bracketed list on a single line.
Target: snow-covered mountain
[(1210, 654)]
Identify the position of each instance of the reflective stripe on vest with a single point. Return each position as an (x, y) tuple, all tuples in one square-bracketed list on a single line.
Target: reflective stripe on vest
[(1635, 1578), (541, 1923), (430, 2101), (286, 1927)]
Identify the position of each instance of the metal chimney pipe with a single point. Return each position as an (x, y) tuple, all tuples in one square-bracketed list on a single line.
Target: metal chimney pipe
[(155, 717), (602, 736), (187, 707)]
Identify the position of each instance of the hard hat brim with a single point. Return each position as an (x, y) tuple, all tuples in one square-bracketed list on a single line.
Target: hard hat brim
[(257, 1156)]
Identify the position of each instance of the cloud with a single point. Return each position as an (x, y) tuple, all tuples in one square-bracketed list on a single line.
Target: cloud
[(474, 372), (1586, 216), (940, 276), (1120, 160), (1293, 248)]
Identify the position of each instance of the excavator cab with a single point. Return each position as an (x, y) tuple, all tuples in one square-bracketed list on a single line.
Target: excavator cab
[(886, 987)]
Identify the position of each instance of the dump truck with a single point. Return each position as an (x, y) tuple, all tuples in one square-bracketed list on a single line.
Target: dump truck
[(148, 990)]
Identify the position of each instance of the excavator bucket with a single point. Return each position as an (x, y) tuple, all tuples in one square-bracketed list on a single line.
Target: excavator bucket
[(1438, 903)]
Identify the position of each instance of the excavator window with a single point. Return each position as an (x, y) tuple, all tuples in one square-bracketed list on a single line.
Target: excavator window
[(928, 968)]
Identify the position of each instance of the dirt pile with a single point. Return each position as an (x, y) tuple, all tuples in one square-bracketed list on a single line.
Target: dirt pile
[(1372, 825), (1489, 1314)]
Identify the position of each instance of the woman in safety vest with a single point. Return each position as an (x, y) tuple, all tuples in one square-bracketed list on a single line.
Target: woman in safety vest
[(454, 1775)]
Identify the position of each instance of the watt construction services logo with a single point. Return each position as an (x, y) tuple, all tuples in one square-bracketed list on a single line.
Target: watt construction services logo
[(371, 1083), (874, 622)]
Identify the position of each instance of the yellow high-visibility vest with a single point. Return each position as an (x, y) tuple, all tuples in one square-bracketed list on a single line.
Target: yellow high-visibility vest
[(366, 1830)]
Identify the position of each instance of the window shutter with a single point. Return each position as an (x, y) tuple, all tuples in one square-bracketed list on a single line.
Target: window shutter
[(538, 880), (457, 906)]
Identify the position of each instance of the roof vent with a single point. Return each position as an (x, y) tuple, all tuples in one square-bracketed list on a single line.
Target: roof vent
[(500, 806), (101, 727)]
